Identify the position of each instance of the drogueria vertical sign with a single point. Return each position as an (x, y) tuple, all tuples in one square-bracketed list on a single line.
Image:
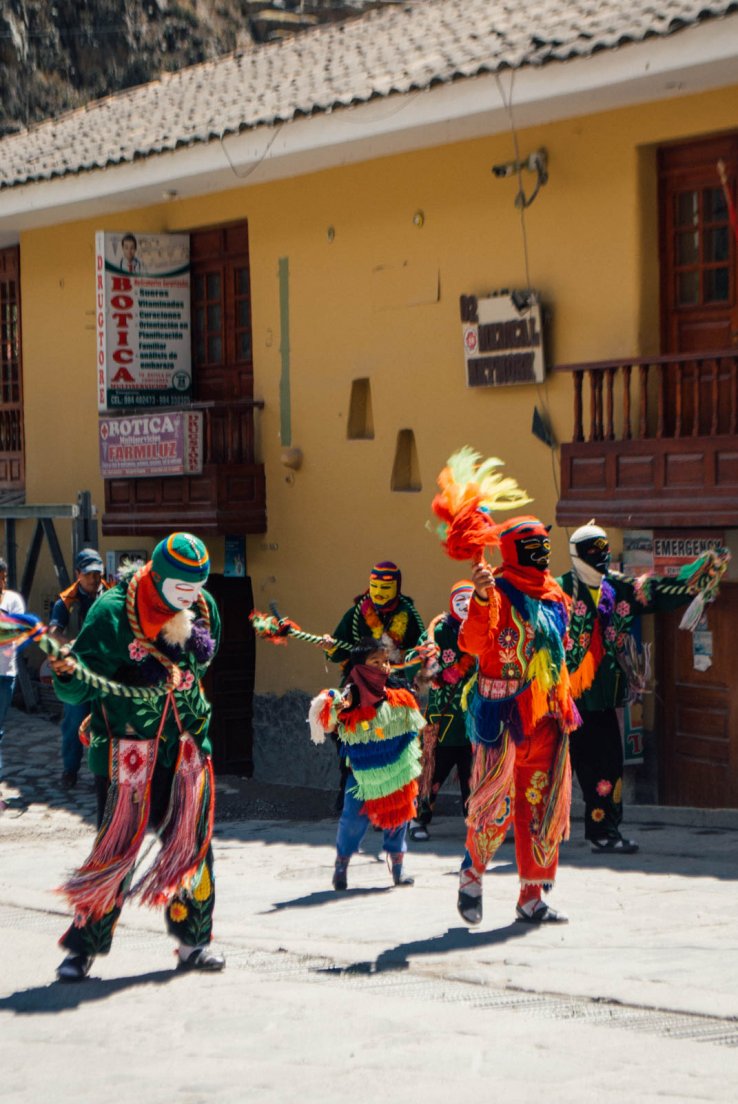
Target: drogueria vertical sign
[(143, 320)]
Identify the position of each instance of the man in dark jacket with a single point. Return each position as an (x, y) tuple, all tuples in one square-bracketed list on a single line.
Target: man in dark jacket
[(67, 618)]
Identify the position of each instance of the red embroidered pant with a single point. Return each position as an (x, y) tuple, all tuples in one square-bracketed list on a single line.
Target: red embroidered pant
[(524, 806)]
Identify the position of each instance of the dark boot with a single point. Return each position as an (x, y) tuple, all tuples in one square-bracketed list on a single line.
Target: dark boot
[(398, 877), (340, 872)]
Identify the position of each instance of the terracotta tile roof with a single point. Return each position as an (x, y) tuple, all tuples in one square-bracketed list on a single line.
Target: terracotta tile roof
[(388, 51)]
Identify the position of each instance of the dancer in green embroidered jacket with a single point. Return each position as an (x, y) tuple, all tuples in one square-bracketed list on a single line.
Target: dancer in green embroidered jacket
[(150, 757), (605, 606)]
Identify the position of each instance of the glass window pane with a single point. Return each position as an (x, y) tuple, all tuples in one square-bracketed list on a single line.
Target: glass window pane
[(242, 312), (717, 285), (688, 288), (688, 248), (214, 317), (215, 348), (199, 289), (242, 281), (213, 285), (687, 209), (714, 207), (244, 346), (716, 244)]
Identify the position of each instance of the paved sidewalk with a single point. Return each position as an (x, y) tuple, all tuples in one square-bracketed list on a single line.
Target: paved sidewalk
[(379, 991)]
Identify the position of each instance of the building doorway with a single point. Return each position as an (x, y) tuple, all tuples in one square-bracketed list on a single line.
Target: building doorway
[(698, 709)]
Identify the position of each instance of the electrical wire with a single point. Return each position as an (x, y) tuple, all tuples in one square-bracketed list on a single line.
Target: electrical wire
[(541, 389)]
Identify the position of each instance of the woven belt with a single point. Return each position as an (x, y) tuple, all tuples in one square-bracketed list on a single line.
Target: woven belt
[(497, 688)]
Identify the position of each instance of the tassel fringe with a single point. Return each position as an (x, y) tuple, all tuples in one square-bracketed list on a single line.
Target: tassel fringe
[(490, 784), (430, 742)]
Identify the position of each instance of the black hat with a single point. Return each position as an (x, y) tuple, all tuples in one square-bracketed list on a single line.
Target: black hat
[(88, 560)]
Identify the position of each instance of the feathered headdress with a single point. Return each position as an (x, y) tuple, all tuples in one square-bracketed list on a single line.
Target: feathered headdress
[(471, 491)]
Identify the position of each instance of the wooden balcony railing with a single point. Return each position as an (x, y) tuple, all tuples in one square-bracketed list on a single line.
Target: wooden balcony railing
[(654, 442), (228, 496)]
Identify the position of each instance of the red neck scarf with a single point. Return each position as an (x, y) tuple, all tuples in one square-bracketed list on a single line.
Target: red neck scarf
[(534, 583), (153, 612), (371, 683)]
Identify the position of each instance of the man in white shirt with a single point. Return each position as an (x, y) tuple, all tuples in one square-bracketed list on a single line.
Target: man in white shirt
[(10, 602)]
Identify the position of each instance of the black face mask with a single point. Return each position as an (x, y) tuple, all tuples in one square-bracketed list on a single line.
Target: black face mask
[(534, 552), (595, 552)]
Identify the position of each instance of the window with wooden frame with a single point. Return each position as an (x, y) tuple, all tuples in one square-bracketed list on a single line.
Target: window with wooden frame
[(12, 466)]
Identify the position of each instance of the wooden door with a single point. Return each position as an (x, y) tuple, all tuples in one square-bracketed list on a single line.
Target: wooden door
[(697, 716), (699, 764), (229, 683)]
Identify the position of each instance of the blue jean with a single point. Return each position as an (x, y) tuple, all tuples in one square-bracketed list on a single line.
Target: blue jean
[(353, 825), (72, 718), (7, 684)]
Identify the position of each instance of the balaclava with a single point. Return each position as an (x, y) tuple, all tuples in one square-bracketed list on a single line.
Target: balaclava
[(590, 553), (179, 558), (385, 583), (460, 597), (524, 543)]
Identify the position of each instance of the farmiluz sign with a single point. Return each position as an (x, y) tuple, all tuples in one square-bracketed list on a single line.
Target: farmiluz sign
[(141, 445), (143, 320)]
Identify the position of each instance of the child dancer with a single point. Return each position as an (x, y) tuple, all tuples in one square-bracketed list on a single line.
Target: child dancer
[(378, 729)]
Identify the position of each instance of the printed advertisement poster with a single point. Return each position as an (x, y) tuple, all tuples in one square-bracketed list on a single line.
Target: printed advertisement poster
[(637, 551), (135, 446), (235, 557), (143, 320)]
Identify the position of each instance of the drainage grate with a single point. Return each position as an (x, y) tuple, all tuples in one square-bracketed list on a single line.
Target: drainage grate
[(363, 976)]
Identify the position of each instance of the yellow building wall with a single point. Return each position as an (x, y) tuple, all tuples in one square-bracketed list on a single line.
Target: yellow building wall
[(378, 297)]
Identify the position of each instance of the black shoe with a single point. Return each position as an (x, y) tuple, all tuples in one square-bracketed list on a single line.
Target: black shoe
[(75, 967), (542, 914), (68, 780), (202, 959), (419, 833), (470, 908), (340, 880), (615, 845)]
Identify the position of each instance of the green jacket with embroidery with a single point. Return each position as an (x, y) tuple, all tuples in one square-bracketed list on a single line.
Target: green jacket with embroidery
[(631, 598), (103, 646), (353, 627), (456, 669)]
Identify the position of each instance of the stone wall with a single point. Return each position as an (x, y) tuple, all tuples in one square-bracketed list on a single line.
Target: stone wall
[(283, 750)]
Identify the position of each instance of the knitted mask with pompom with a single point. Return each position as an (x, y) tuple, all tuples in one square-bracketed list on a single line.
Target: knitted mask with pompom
[(180, 565)]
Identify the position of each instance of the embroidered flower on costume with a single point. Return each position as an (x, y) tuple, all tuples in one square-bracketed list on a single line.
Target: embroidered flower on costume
[(509, 671), (604, 787), (539, 780), (448, 655), (620, 641), (610, 633), (579, 608), (203, 888), (622, 609), (137, 651), (177, 912), (598, 814), (505, 812), (532, 795), (617, 793), (187, 680), (584, 639), (568, 643), (508, 637)]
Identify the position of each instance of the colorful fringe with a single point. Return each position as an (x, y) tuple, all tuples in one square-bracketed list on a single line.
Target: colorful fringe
[(187, 830), (93, 889), (428, 759), (490, 784), (554, 825), (395, 809), (581, 679)]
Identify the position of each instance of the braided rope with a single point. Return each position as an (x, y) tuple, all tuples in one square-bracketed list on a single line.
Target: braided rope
[(56, 650)]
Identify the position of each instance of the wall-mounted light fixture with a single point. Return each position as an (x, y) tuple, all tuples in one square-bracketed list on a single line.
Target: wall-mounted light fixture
[(418, 219), (536, 162)]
